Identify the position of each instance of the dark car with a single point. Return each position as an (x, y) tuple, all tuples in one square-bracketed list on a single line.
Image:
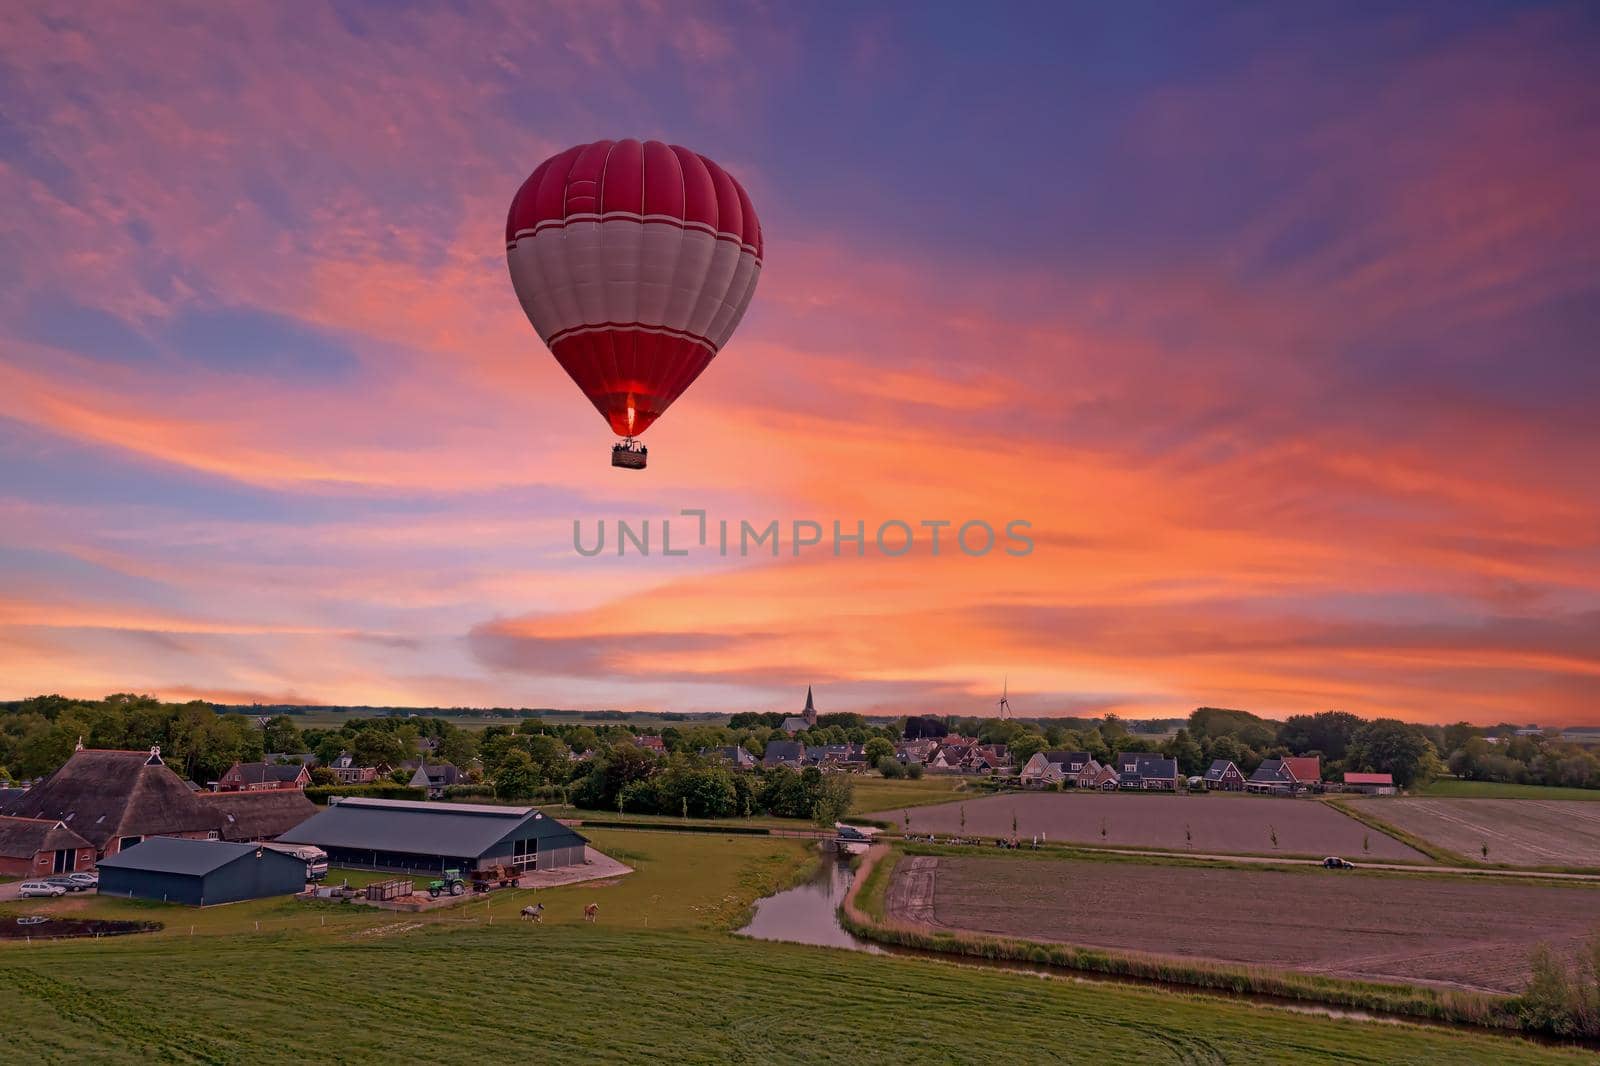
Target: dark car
[(68, 883), (1333, 862)]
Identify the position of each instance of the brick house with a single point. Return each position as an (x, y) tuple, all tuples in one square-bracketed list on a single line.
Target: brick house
[(41, 847), (263, 777)]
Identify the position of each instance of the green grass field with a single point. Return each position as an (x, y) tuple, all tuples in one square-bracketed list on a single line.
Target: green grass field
[(658, 974), (874, 793), (1450, 788)]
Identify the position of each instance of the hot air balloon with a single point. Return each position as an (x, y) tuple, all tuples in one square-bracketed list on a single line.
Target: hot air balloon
[(634, 261)]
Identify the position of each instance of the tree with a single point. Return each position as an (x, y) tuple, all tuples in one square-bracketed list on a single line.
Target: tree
[(282, 735), (377, 747), (1328, 733), (1391, 746), (515, 777), (1183, 750), (878, 749), (832, 800), (1025, 746)]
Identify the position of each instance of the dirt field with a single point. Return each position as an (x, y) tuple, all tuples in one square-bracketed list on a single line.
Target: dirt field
[(1406, 929), (1231, 824), (1519, 832)]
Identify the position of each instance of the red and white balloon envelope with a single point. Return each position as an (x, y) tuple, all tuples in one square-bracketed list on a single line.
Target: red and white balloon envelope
[(634, 261)]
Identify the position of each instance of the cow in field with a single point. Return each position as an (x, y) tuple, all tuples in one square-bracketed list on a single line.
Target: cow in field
[(536, 913)]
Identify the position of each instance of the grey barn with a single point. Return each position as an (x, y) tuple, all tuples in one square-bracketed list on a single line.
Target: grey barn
[(200, 872), (405, 835)]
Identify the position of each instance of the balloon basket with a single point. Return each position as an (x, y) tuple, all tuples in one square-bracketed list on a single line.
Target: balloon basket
[(629, 455)]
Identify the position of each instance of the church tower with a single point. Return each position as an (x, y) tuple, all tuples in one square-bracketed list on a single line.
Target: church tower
[(810, 713)]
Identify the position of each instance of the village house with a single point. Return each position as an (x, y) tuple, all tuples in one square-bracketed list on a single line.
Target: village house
[(262, 777), (41, 847), (650, 743), (1040, 772), (115, 799), (790, 753), (345, 769), (732, 756), (1272, 776), (1147, 771), (915, 751), (1371, 784), (1305, 769), (1102, 777), (433, 776), (1223, 776)]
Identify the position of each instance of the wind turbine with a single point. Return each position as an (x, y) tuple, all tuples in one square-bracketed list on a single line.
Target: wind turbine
[(1005, 704)]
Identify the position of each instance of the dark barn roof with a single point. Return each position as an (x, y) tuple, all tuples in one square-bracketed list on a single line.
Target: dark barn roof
[(174, 855), (8, 796), (259, 815), (411, 827), (1218, 768), (102, 795), (257, 773), (23, 838)]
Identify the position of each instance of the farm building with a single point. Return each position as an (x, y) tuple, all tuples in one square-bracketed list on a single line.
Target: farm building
[(262, 777), (200, 873), (114, 799), (406, 835), (1371, 784), (261, 815), (39, 847)]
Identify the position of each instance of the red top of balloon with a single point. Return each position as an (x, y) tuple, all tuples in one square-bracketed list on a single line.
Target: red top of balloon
[(634, 261)]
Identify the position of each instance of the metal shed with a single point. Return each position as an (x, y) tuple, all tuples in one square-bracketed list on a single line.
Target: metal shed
[(200, 872), (405, 835)]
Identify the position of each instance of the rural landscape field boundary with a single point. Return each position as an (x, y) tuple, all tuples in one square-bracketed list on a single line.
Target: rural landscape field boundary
[(863, 913)]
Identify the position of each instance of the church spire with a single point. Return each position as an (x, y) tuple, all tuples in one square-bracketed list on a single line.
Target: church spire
[(810, 713)]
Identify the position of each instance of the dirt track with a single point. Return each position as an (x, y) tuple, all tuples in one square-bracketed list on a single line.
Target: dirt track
[(1238, 824), (1400, 928), (1519, 832)]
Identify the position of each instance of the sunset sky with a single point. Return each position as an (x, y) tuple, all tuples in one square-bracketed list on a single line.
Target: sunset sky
[(1280, 325)]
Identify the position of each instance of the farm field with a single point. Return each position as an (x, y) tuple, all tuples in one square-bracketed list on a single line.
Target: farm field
[(656, 972), (1450, 787), (1401, 929), (1217, 823), (1519, 832), (623, 996)]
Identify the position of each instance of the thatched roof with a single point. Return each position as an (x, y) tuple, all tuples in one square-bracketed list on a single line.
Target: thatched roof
[(259, 815), (103, 795), (23, 838)]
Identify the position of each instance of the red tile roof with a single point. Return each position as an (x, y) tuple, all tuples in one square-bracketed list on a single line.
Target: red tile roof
[(1369, 779), (1305, 768)]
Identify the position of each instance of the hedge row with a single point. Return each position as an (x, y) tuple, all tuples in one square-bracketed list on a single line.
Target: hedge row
[(320, 794)]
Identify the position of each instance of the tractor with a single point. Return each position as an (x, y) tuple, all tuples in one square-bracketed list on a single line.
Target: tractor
[(451, 883)]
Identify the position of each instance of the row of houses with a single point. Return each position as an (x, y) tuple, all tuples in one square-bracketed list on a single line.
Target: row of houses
[(1133, 770), (955, 754), (1146, 771), (798, 756)]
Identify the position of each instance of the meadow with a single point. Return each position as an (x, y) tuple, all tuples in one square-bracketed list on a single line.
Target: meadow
[(1516, 832), (1453, 788), (658, 971)]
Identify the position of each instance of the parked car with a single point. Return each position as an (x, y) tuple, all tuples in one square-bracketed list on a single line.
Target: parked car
[(85, 877), (68, 883), (1333, 862), (29, 889)]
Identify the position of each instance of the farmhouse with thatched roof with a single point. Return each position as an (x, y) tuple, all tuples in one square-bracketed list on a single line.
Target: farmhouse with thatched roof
[(261, 815), (39, 847), (114, 799)]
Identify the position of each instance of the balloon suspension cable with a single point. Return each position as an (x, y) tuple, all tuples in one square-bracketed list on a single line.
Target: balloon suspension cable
[(629, 454)]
